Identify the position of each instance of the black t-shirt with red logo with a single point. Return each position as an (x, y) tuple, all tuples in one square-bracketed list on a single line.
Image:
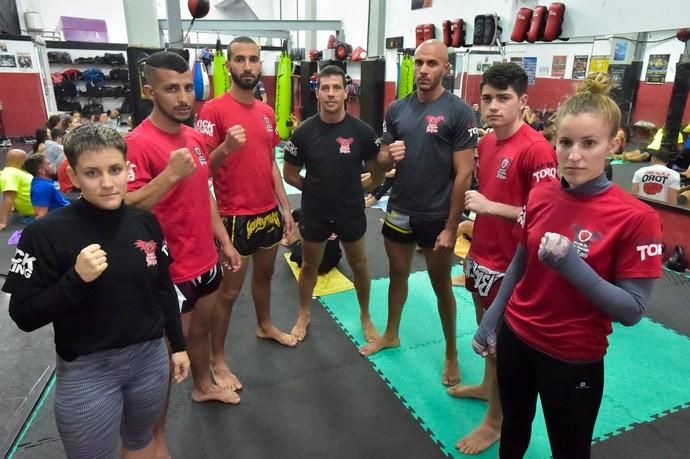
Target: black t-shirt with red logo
[(432, 132), (332, 155)]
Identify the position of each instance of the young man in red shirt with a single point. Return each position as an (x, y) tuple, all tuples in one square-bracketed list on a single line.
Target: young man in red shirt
[(168, 174), (240, 134), (513, 158)]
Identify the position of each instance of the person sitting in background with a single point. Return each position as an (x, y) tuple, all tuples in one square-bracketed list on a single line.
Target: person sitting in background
[(113, 118), (377, 193), (66, 123), (636, 156), (331, 255), (53, 121), (657, 181), (42, 134), (260, 92), (44, 196), (15, 185), (53, 148)]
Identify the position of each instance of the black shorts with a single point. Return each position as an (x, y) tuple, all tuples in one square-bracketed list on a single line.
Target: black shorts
[(348, 229), (190, 291), (250, 233), (404, 229)]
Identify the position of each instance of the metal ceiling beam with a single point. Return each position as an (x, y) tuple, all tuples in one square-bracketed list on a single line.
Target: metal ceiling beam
[(224, 25)]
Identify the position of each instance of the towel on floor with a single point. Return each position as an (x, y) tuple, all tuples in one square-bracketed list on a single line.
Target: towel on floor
[(332, 282)]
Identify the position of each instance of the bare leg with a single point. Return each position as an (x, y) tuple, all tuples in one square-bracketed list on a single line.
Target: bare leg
[(312, 254), (357, 258), (489, 431), (227, 295), (262, 272), (198, 348), (438, 265), (482, 390), (148, 452), (399, 264)]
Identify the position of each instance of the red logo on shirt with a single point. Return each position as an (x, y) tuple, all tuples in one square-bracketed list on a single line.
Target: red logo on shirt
[(149, 248), (583, 239), (344, 144), (502, 173), (433, 122)]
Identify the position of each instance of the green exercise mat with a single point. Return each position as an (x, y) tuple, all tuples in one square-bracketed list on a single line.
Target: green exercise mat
[(647, 367)]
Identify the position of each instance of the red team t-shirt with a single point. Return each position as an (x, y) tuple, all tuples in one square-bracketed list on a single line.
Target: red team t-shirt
[(185, 211), (617, 235), (244, 183), (506, 172)]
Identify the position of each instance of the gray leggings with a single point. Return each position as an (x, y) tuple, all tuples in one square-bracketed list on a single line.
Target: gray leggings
[(120, 389)]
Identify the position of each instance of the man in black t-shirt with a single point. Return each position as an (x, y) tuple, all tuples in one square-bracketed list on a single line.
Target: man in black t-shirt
[(430, 137), (332, 146)]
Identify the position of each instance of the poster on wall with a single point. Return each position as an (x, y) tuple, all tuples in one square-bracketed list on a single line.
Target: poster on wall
[(620, 50), (8, 60), (657, 68), (417, 4), (3, 47), (516, 60), (530, 66), (599, 64), (558, 66), (24, 61), (580, 67)]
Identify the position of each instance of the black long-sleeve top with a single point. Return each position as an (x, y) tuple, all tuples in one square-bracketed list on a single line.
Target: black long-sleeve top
[(131, 302)]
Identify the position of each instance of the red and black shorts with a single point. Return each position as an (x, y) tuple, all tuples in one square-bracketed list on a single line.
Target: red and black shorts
[(250, 233), (482, 281), (189, 292)]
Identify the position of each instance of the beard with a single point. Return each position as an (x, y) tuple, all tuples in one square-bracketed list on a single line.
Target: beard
[(236, 79), (188, 120)]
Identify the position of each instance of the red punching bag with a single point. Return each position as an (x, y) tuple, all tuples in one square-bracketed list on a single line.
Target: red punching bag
[(536, 28), (198, 8), (458, 29), (429, 31), (522, 21), (554, 21), (419, 34), (447, 36)]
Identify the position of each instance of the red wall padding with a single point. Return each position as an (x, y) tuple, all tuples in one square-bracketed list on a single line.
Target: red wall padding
[(22, 97)]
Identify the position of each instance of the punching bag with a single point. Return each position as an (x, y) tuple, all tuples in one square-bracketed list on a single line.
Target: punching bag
[(198, 8), (221, 80), (406, 80), (202, 87), (283, 107), (522, 22)]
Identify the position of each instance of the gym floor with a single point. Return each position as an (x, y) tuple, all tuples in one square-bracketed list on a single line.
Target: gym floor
[(319, 400)]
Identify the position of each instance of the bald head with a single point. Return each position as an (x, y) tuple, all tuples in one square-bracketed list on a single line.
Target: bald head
[(434, 47), (430, 65), (15, 158)]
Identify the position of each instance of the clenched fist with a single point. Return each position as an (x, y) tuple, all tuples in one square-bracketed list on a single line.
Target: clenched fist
[(235, 137), (181, 164), (553, 249), (396, 150), (91, 262), (477, 202)]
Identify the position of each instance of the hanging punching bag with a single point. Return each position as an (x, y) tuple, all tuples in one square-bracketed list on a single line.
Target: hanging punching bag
[(198, 8), (202, 86), (221, 82), (284, 95)]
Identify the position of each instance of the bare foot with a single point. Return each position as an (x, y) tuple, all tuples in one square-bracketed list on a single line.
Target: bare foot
[(479, 391), (225, 378), (216, 393), (299, 330), (451, 373), (479, 439), (276, 335), (382, 342), (370, 333), (458, 280)]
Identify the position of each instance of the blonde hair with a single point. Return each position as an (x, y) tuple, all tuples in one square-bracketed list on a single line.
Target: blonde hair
[(592, 97)]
